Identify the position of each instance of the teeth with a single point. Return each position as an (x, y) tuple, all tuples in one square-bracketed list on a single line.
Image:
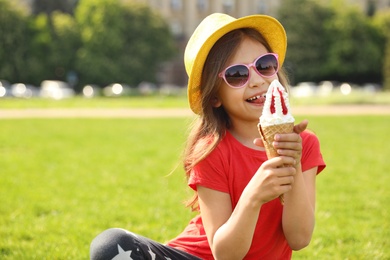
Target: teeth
[(255, 97)]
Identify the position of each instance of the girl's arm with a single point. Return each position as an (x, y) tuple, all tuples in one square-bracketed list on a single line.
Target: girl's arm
[(226, 230), (298, 213), (230, 232)]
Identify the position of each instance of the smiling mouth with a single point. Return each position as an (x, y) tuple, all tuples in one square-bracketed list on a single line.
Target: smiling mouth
[(259, 99)]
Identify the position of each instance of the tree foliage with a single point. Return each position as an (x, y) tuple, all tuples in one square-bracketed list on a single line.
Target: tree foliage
[(356, 46), (13, 37), (52, 49), (121, 43), (50, 6), (105, 42), (382, 21), (331, 42), (307, 38)]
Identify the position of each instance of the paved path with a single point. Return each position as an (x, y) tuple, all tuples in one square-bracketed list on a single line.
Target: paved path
[(172, 112)]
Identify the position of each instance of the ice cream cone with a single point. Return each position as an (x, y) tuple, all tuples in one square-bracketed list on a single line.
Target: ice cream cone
[(275, 118), (267, 135)]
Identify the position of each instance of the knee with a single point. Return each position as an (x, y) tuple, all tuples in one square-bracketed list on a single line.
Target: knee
[(110, 243)]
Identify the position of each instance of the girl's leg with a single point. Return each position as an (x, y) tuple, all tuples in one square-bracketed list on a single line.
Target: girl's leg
[(118, 243)]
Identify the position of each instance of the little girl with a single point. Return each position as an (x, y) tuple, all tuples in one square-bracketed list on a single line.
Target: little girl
[(230, 63)]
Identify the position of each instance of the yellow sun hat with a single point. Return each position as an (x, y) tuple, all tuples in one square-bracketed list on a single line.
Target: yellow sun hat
[(210, 30)]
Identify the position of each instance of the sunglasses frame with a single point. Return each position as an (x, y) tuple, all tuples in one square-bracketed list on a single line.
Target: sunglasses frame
[(222, 74)]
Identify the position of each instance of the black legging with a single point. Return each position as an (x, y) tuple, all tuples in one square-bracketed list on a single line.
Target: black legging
[(116, 243)]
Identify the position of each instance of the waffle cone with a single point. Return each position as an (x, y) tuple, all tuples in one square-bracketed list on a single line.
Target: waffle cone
[(268, 133)]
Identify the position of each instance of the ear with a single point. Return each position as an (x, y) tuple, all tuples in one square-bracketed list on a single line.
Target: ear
[(215, 102)]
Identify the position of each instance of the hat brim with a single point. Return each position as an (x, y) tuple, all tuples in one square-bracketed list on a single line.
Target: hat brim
[(272, 31)]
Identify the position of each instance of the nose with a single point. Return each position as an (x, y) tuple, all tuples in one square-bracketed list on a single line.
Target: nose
[(255, 80)]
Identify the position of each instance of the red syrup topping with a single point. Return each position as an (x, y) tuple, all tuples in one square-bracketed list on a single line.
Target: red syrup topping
[(284, 107), (272, 104)]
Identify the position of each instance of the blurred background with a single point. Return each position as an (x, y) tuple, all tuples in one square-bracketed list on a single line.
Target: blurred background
[(59, 49)]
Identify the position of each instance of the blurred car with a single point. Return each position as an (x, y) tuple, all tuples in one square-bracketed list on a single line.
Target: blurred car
[(346, 88), (172, 90), (5, 88), (304, 89), (21, 90), (326, 87), (371, 87), (147, 88), (56, 89), (116, 90), (91, 90)]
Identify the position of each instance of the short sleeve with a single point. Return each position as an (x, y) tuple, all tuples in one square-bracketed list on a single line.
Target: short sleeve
[(211, 172), (311, 153)]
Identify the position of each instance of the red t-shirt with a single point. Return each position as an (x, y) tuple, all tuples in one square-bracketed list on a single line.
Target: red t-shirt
[(229, 168)]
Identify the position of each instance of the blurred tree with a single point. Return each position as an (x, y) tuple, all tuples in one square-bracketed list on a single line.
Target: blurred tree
[(371, 8), (53, 46), (356, 46), (308, 40), (49, 6), (121, 43), (331, 42), (386, 67), (382, 21), (13, 42)]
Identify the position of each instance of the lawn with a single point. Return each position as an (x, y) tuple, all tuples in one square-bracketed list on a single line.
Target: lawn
[(65, 180), (353, 213)]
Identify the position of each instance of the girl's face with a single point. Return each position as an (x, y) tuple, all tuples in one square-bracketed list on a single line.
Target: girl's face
[(246, 103)]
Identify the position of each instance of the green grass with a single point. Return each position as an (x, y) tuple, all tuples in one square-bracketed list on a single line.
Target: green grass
[(65, 180), (353, 213)]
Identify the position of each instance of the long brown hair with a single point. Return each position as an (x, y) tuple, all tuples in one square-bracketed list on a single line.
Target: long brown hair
[(212, 123)]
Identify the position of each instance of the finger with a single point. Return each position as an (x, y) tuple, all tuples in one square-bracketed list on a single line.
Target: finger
[(258, 142), (285, 188), (286, 180), (289, 145), (290, 137), (299, 128), (291, 153), (280, 162), (286, 171)]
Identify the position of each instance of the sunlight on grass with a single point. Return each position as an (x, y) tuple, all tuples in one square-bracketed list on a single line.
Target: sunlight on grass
[(352, 214), (65, 180)]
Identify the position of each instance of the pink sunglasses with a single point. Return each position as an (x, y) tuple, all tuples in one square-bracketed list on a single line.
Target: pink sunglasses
[(237, 75)]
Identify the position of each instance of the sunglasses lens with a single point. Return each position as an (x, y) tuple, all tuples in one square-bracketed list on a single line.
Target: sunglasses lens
[(237, 75), (267, 65)]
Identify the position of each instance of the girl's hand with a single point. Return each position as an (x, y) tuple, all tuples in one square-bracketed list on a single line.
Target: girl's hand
[(273, 178), (299, 128), (291, 144), (288, 144)]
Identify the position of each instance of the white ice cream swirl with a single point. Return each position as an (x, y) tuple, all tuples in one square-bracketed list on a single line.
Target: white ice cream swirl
[(268, 118)]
